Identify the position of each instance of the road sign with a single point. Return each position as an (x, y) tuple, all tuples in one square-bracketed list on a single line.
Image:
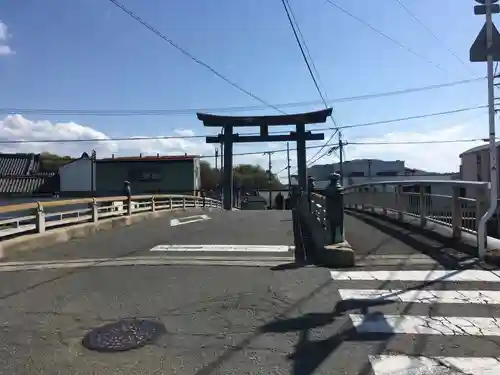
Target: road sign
[(484, 1), (481, 9), (478, 50)]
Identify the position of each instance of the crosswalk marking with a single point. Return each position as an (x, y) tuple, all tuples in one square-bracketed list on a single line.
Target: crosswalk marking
[(371, 316), (430, 325), (406, 365), (431, 275), (223, 248), (479, 297)]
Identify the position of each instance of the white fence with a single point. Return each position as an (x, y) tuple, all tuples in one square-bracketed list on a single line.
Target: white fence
[(457, 204), (41, 216)]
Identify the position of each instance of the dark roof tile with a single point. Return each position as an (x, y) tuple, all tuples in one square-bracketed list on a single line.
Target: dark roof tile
[(19, 164), (28, 185)]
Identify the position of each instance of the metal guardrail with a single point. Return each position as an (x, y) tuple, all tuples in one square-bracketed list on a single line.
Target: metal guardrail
[(457, 204), (38, 217)]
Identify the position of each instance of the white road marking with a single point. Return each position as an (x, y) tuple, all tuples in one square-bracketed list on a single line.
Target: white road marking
[(405, 365), (430, 325), (188, 220), (479, 297), (144, 261), (423, 276), (223, 248)]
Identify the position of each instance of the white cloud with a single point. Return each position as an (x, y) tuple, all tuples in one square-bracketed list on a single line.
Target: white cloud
[(5, 49), (18, 128), (437, 157), (4, 31)]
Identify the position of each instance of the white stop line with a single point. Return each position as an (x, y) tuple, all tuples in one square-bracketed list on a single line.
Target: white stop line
[(224, 248)]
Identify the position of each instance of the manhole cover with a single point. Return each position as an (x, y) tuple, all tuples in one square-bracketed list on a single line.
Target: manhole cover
[(123, 335)]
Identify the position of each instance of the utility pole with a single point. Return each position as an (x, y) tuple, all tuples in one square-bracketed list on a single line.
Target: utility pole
[(270, 176), (340, 148), (93, 158), (221, 184), (341, 158), (486, 47), (288, 165), (216, 158)]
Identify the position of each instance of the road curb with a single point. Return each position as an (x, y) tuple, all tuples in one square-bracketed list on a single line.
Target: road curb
[(56, 236), (337, 255)]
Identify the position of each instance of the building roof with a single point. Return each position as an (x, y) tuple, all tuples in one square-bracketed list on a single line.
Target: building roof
[(19, 164), (27, 184), (478, 148), (20, 174), (149, 158)]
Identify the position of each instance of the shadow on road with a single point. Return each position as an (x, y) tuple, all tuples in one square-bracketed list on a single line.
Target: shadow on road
[(309, 354), (446, 252)]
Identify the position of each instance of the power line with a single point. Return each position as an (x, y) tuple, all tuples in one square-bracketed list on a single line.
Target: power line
[(191, 111), (286, 5), (306, 48), (413, 117), (385, 143), (353, 143), (418, 142), (295, 26), (397, 120), (192, 57), (443, 44), (385, 35), (122, 139)]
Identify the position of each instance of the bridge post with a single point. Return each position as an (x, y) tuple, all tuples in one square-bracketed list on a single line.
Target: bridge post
[(481, 208), (153, 204), (373, 197), (456, 213), (95, 211), (129, 206), (384, 194), (335, 209), (40, 218), (422, 205), (400, 204)]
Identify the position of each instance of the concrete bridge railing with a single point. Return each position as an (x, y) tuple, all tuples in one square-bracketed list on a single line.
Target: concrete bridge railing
[(454, 208), (319, 227), (40, 217)]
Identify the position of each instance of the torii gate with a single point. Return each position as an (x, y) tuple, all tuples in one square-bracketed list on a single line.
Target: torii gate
[(228, 138)]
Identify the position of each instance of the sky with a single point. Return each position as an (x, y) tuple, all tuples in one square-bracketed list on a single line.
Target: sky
[(60, 61)]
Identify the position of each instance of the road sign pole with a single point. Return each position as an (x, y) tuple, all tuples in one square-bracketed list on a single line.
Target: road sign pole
[(491, 113), (491, 54)]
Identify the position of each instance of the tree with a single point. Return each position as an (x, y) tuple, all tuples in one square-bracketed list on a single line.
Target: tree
[(209, 176), (51, 162), (245, 176)]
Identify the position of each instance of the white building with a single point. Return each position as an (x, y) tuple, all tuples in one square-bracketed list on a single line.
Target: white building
[(475, 163), (360, 168), (78, 176)]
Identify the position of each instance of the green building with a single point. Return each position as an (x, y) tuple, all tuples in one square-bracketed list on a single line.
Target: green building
[(148, 175)]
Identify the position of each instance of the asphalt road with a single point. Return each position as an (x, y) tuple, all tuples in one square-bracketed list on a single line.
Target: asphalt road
[(428, 310), (243, 228), (253, 320)]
